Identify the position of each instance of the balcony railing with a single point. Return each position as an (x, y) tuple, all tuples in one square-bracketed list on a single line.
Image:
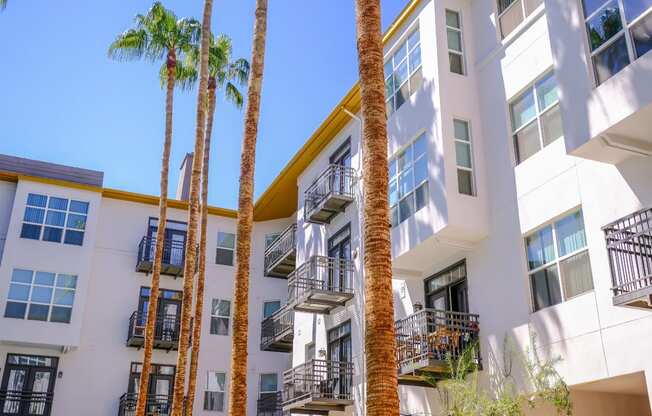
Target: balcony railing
[(277, 331), (270, 404), (21, 402), (329, 195), (629, 246), (512, 12), (318, 385), (280, 256), (157, 405), (428, 339), (174, 254), (321, 284), (166, 330)]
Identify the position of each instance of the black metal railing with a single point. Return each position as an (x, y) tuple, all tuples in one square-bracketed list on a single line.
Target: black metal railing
[(335, 181), (318, 380), (166, 327), (19, 402), (321, 273), (278, 327), (174, 251), (270, 404), (629, 246), (437, 335), (157, 405), (283, 246)]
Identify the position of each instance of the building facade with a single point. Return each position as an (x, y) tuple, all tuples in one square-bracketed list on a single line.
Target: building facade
[(521, 219)]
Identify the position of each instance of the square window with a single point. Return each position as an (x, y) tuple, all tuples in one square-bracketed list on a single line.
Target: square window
[(58, 203), (270, 307), (226, 240), (41, 294), (44, 278), (15, 310), (224, 257), (52, 234), (79, 206), (219, 326), (63, 297), (22, 276), (75, 238), (56, 218), (66, 280), (37, 200), (268, 383), (76, 221), (38, 312), (61, 314), (35, 215), (18, 292)]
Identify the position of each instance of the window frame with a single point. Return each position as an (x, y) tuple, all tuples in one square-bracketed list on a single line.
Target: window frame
[(260, 384), (474, 188), (415, 186), (389, 56), (265, 302), (459, 29), (217, 316), (223, 392), (219, 247), (67, 212)]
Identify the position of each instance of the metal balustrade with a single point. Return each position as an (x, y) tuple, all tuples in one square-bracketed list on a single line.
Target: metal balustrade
[(280, 256), (329, 195), (428, 339), (166, 330), (321, 284), (270, 404), (174, 255), (157, 405), (20, 402), (629, 246), (277, 331), (318, 385)]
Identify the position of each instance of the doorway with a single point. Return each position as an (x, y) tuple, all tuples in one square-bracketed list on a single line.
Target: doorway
[(29, 385)]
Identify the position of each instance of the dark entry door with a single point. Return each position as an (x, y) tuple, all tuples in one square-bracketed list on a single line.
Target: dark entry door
[(27, 385), (447, 290), (174, 246), (342, 161), (339, 249), (168, 313), (161, 382), (340, 352)]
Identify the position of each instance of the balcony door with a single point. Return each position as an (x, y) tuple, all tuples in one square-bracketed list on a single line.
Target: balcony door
[(175, 238), (339, 249), (168, 312), (447, 290), (342, 160), (27, 385), (159, 390), (339, 352)]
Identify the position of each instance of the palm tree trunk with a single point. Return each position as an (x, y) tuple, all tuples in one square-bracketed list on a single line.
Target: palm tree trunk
[(201, 278), (238, 385), (380, 341), (160, 238), (193, 215)]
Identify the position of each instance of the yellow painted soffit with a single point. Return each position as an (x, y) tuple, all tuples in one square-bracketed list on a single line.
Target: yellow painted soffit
[(279, 200)]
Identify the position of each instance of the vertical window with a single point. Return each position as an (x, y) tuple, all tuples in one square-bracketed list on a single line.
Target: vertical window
[(268, 385), (269, 307), (270, 238), (403, 72), (512, 12), (41, 296), (54, 219), (220, 316), (225, 249), (558, 261), (619, 32), (215, 391), (454, 38), (464, 157), (408, 181), (536, 119)]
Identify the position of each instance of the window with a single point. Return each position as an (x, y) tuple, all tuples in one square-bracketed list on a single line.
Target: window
[(53, 219), (41, 296), (464, 157), (220, 316), (558, 261), (268, 385), (536, 119), (408, 181), (403, 72), (619, 32), (454, 37), (215, 391), (269, 307), (512, 12), (225, 248), (270, 238)]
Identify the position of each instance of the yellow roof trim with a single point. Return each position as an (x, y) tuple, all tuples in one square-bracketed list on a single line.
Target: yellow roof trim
[(58, 182), (280, 198)]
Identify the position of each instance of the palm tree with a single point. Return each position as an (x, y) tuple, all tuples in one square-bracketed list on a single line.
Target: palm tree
[(157, 35), (193, 214), (238, 385), (380, 341), (3, 4), (222, 73)]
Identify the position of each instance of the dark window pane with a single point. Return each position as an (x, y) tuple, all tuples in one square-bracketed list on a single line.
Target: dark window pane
[(465, 182), (60, 314), (545, 288), (634, 8), (393, 214), (604, 25), (79, 206), (452, 19), (15, 310), (591, 6), (36, 200), (34, 215), (30, 231), (219, 326), (456, 65), (611, 60), (421, 195), (76, 221), (642, 35), (52, 234), (402, 95), (406, 208), (38, 312), (224, 256), (504, 4), (74, 237), (58, 203), (55, 218), (213, 401)]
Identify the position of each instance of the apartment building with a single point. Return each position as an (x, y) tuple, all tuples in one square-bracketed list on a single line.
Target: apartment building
[(521, 216)]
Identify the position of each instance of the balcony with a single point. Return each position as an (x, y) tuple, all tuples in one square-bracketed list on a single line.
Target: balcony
[(629, 246), (321, 284), (277, 331), (157, 405), (22, 402), (317, 387), (513, 12), (174, 254), (428, 339), (280, 256), (329, 195), (270, 404), (166, 331)]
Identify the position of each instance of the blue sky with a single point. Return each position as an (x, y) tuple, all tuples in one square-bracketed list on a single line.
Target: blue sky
[(65, 102)]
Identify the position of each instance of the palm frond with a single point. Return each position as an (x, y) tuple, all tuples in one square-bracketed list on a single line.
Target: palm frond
[(232, 94), (186, 75), (130, 44), (3, 4)]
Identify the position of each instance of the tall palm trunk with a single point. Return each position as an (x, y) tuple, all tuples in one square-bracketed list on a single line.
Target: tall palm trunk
[(380, 341), (238, 385), (201, 278), (193, 215), (160, 237)]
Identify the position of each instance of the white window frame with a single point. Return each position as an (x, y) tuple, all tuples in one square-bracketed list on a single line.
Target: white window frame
[(225, 248), (474, 189), (217, 316), (66, 213), (453, 51), (411, 71), (412, 192), (260, 384), (206, 390)]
